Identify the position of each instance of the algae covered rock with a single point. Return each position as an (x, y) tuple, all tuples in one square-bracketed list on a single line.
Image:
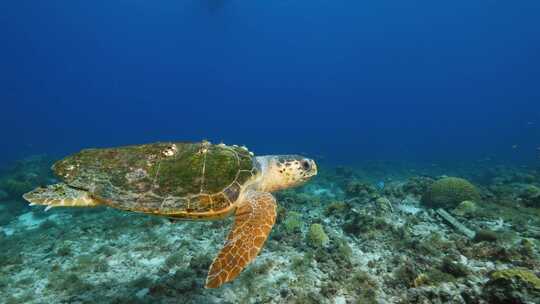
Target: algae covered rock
[(336, 208), (418, 185), (317, 237), (530, 196), (364, 223), (383, 205), (514, 285), (485, 235), (360, 189), (293, 222), (449, 192), (454, 267), (466, 208)]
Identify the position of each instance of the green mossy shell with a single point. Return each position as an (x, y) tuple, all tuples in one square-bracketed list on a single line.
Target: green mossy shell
[(166, 177)]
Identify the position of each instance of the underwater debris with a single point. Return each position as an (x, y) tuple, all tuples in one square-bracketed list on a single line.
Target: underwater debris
[(456, 224)]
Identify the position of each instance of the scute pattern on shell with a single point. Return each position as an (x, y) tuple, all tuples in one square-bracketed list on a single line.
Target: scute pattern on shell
[(161, 178)]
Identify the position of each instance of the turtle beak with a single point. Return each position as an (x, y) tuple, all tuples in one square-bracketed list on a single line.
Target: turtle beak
[(313, 168)]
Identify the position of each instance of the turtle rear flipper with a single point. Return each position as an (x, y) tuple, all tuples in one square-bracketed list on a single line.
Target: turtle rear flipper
[(60, 195)]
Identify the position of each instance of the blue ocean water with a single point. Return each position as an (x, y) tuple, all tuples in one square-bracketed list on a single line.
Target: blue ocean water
[(342, 80), (423, 118)]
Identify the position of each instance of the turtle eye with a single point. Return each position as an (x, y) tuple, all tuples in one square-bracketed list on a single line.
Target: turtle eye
[(306, 165)]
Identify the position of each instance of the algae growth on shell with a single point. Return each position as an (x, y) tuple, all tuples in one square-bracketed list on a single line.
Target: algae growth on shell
[(141, 177)]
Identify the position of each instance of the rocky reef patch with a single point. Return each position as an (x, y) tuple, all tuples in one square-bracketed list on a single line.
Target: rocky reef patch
[(378, 233)]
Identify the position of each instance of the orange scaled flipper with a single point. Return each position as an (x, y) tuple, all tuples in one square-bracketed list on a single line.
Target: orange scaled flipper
[(254, 219)]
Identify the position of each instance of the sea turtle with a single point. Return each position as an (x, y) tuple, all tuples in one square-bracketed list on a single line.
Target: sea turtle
[(193, 181)]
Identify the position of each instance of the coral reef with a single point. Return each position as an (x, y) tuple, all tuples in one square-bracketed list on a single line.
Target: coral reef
[(448, 192), (514, 285), (530, 196), (383, 205), (340, 239), (336, 208), (466, 209), (418, 185), (360, 189), (317, 237), (485, 235), (293, 222)]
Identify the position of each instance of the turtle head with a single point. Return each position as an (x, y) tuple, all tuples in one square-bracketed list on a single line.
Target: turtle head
[(285, 171)]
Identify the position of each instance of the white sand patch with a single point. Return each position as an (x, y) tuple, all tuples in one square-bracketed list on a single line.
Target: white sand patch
[(29, 220), (142, 293), (153, 262), (340, 300), (425, 229), (7, 231), (409, 209), (409, 205)]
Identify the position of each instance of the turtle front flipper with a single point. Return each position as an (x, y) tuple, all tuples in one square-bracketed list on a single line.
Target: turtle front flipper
[(60, 195), (254, 219)]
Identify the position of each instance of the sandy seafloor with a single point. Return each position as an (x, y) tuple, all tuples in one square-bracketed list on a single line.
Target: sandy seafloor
[(381, 244)]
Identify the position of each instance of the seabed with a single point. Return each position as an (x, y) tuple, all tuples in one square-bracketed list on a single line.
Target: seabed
[(376, 233)]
